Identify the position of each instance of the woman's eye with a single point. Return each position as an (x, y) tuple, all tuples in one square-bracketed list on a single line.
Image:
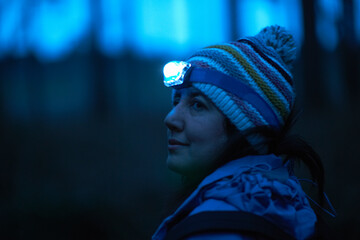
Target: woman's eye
[(197, 105)]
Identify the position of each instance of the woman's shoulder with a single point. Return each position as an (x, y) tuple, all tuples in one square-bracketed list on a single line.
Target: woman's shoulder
[(255, 190), (272, 194)]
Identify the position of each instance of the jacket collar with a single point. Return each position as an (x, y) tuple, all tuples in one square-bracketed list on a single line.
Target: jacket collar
[(263, 162)]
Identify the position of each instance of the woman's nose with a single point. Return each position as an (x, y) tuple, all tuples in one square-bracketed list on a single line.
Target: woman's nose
[(174, 120)]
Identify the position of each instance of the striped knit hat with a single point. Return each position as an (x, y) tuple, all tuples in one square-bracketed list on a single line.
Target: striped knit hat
[(261, 62)]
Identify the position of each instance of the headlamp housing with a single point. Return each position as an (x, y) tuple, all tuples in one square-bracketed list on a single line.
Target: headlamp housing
[(175, 72)]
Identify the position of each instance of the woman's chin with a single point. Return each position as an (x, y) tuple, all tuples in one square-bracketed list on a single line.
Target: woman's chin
[(178, 165), (175, 164)]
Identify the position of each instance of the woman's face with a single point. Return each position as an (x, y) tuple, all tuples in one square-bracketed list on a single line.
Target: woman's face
[(196, 133)]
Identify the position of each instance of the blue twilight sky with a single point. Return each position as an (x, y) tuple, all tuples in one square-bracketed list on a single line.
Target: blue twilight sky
[(162, 28)]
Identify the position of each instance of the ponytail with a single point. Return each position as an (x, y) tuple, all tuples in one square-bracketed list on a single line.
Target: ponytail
[(294, 148), (281, 143)]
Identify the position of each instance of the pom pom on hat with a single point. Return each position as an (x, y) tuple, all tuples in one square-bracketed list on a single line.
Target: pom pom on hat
[(281, 41)]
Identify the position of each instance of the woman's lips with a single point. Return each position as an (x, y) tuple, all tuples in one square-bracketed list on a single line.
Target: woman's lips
[(175, 144)]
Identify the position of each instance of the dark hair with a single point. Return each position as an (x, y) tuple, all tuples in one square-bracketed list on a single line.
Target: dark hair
[(281, 143)]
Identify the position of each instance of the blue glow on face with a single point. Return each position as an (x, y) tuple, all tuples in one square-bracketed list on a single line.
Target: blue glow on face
[(174, 73)]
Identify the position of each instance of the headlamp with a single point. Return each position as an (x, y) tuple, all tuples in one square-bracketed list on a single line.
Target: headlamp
[(174, 73)]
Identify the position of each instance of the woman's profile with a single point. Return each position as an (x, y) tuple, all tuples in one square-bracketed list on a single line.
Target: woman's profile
[(228, 131)]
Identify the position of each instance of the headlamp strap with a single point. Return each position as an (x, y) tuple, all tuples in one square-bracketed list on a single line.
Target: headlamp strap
[(235, 87)]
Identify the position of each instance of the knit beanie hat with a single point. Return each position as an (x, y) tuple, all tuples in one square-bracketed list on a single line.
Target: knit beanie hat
[(261, 65)]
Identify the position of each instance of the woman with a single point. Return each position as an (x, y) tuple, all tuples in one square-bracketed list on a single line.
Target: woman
[(228, 131)]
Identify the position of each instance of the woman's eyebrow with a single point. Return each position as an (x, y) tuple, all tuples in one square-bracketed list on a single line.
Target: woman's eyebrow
[(200, 94), (196, 94)]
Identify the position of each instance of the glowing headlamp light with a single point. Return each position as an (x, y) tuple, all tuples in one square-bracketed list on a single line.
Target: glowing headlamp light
[(174, 73)]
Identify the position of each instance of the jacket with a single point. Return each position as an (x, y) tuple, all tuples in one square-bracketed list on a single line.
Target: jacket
[(261, 185)]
